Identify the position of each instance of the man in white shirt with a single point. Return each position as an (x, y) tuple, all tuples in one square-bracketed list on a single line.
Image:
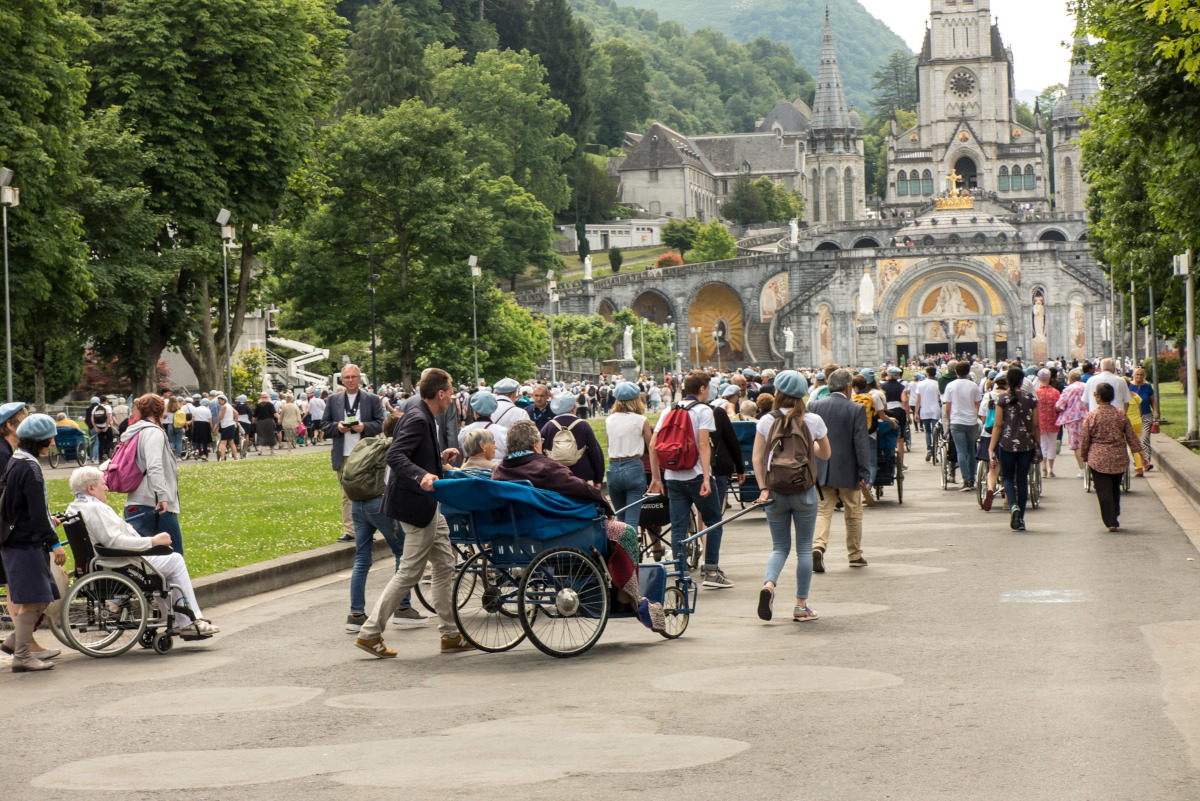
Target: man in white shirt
[(507, 411), (1107, 376), (350, 416), (316, 411), (929, 407), (694, 486), (961, 400)]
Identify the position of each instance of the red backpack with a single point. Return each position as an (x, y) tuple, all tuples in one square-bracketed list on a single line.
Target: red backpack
[(675, 445)]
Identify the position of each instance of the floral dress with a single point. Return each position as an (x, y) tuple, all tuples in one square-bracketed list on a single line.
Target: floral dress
[(1072, 404)]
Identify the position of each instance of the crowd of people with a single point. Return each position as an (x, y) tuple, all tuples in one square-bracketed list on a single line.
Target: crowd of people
[(818, 439)]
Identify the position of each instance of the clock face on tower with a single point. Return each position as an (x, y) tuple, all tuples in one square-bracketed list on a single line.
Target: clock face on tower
[(961, 83)]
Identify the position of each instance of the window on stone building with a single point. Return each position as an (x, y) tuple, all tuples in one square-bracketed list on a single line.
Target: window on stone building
[(1002, 181), (902, 183), (1028, 177), (927, 183), (848, 180), (654, 175)]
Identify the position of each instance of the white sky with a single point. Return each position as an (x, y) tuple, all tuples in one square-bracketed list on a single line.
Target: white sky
[(1034, 29)]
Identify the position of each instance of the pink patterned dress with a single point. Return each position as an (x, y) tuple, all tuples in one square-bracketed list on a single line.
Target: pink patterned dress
[(1073, 407)]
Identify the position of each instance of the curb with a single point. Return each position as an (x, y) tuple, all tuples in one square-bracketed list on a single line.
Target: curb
[(284, 571), (1178, 464)]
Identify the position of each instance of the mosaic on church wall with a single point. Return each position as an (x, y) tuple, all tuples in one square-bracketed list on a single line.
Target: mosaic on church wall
[(1041, 346), (652, 306), (773, 297), (1008, 266), (717, 308), (1077, 329)]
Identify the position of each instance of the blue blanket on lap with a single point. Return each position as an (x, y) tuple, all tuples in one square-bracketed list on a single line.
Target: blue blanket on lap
[(540, 514)]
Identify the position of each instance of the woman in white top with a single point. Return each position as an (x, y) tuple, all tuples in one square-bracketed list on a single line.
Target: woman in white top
[(629, 434), (798, 510), (484, 405), (655, 396)]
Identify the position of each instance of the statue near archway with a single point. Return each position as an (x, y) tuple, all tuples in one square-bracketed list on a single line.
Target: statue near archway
[(866, 295)]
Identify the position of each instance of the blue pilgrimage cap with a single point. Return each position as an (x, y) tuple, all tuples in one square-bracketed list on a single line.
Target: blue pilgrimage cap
[(506, 385), (729, 390), (38, 427), (792, 384), (626, 391), (868, 374), (563, 404), (749, 373), (9, 409), (483, 403)]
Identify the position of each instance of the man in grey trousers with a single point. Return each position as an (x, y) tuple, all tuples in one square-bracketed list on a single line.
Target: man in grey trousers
[(846, 473)]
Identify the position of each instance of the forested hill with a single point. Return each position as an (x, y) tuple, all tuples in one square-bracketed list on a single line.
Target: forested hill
[(863, 42)]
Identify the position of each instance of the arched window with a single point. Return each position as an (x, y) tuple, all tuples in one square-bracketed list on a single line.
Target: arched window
[(1028, 177), (832, 209), (1016, 178), (815, 193), (849, 200), (1066, 185), (914, 182), (927, 183), (902, 183), (1002, 182)]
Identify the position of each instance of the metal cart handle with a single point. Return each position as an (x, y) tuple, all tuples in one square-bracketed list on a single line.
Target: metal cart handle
[(643, 499), (747, 510)]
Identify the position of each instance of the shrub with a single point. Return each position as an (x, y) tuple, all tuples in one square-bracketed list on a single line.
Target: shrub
[(615, 259), (1169, 365), (668, 259)]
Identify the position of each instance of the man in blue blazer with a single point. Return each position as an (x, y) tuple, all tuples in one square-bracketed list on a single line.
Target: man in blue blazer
[(350, 416), (845, 476)]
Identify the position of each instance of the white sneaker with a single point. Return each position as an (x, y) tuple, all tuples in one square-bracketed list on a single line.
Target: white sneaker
[(1079, 474)]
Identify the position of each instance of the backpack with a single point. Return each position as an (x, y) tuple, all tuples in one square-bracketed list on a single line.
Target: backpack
[(122, 474), (564, 449), (362, 473), (6, 526), (865, 400), (792, 468), (675, 445), (180, 419)]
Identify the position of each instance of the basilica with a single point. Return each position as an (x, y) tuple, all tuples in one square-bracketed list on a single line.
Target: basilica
[(972, 253)]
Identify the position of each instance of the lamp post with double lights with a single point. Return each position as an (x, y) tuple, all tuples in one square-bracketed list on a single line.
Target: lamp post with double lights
[(476, 271), (642, 337), (10, 197), (552, 293), (669, 329), (716, 335), (227, 234), (695, 336)]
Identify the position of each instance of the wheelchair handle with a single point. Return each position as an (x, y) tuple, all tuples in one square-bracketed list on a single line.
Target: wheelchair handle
[(642, 499), (731, 518)]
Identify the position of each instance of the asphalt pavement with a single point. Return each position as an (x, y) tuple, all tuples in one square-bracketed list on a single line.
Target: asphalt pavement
[(967, 661)]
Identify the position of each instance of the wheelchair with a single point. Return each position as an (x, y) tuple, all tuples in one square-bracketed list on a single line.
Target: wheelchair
[(946, 455), (111, 604)]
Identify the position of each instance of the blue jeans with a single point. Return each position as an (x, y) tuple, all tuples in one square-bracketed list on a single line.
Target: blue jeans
[(150, 523), (682, 495), (95, 444), (175, 436), (965, 438), (873, 453), (627, 484), (930, 426), (368, 519), (1014, 472), (797, 511)]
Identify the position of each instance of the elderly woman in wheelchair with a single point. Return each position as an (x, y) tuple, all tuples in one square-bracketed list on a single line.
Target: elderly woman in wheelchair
[(155, 569)]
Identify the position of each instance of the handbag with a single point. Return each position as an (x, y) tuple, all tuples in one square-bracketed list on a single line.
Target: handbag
[(1154, 428)]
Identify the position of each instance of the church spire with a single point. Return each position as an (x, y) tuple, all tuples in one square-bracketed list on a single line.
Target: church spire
[(830, 109), (1082, 86)]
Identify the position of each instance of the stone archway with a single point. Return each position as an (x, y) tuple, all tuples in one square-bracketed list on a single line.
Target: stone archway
[(968, 171), (606, 309), (654, 306)]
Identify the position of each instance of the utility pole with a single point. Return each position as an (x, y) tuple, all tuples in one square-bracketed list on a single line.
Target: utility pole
[(1133, 326), (1152, 346), (1183, 266)]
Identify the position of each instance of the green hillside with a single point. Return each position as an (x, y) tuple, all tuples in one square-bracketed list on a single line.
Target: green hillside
[(863, 42)]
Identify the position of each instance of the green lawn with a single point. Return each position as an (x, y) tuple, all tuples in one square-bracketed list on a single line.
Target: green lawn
[(1172, 407), (238, 513)]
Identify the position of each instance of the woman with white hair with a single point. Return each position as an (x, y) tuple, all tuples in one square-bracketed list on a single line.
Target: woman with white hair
[(479, 448), (109, 531)]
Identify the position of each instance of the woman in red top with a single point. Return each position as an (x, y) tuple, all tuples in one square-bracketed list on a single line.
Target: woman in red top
[(1103, 443), (1047, 396)]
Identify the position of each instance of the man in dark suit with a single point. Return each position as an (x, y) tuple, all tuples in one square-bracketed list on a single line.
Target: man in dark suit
[(845, 475), (416, 463), (447, 421), (350, 416)]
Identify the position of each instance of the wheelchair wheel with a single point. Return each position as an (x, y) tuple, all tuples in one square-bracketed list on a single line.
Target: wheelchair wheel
[(563, 602), (1087, 479), (947, 465), (55, 456), (6, 621), (937, 445), (163, 642), (674, 602), (900, 487), (1035, 487), (186, 450), (147, 639), (1125, 480), (81, 454), (487, 612), (981, 473), (104, 614)]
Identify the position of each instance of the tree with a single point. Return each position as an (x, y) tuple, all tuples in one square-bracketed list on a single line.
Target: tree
[(615, 259), (563, 44), (745, 204), (42, 91), (227, 96), (895, 84), (579, 336), (525, 230), (595, 194), (511, 119), (681, 234), (385, 64), (620, 78), (655, 338), (401, 182), (713, 243)]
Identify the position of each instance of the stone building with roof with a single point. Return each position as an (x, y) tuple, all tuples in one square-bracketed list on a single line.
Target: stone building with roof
[(966, 117)]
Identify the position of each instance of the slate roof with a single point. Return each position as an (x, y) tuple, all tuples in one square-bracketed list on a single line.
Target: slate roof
[(762, 151), (790, 119), (663, 148), (830, 109), (1082, 85)]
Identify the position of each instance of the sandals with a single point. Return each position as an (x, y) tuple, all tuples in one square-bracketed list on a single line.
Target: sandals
[(200, 629)]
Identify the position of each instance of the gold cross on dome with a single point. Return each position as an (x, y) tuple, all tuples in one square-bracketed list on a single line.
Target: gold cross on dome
[(952, 179)]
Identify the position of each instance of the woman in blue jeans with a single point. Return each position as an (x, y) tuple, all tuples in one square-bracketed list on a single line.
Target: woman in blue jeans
[(790, 512), (153, 507), (629, 436)]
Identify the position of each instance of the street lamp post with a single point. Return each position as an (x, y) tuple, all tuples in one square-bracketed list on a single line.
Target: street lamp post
[(371, 279), (552, 291), (1183, 266), (477, 271), (642, 337), (695, 335), (227, 233), (716, 335), (10, 197)]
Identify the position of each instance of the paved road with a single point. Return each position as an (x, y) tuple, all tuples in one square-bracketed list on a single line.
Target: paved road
[(966, 662)]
